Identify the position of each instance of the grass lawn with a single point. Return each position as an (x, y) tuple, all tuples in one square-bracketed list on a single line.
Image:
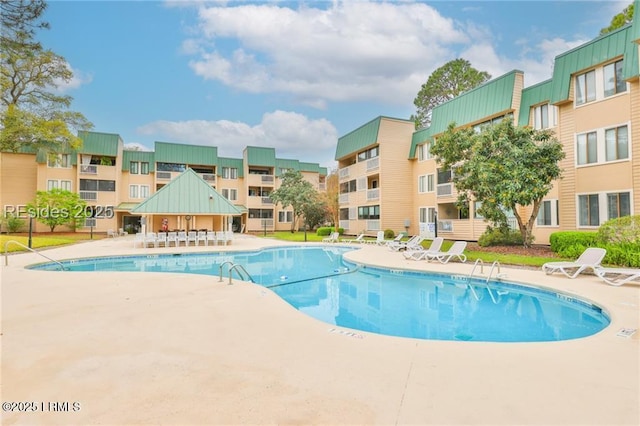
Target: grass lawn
[(43, 240), (486, 256)]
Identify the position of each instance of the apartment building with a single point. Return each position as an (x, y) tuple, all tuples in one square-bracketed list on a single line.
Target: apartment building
[(591, 103), (116, 182)]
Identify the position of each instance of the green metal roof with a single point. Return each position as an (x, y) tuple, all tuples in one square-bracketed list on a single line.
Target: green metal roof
[(197, 155), (259, 156), (531, 96), (358, 139), (286, 164), (491, 98), (143, 156), (187, 194), (236, 163), (635, 31), (126, 206), (602, 49), (309, 167), (631, 66), (419, 137), (99, 143)]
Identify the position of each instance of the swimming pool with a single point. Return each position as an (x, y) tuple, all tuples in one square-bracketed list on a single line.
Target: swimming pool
[(319, 282)]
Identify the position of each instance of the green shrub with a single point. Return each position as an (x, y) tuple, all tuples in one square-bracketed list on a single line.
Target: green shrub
[(389, 234), (325, 231), (568, 243), (622, 254), (625, 230), (500, 237), (13, 223)]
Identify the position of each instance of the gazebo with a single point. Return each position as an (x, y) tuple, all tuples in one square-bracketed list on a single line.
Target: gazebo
[(187, 202)]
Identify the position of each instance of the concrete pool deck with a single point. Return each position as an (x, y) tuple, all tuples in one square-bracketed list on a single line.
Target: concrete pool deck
[(159, 348)]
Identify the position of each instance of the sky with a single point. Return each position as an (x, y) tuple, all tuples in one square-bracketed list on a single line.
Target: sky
[(293, 75)]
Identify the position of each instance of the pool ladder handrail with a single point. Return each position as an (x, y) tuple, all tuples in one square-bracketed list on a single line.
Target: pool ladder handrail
[(6, 253), (493, 265), (231, 268)]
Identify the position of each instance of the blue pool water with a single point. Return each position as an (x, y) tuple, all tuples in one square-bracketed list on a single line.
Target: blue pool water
[(319, 282)]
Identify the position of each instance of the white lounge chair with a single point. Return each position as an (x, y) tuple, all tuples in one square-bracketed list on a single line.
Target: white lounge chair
[(211, 238), (228, 236), (397, 239), (182, 238), (202, 238), (421, 253), (111, 233), (333, 238), (221, 238), (589, 259), (161, 239), (358, 239), (456, 250), (151, 238), (139, 239), (414, 243), (192, 237), (379, 241), (618, 276), (172, 237)]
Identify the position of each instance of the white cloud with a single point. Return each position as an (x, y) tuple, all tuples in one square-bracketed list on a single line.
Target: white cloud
[(350, 51), (78, 79), (293, 135)]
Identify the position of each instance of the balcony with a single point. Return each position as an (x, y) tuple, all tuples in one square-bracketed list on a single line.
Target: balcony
[(344, 198), (260, 180), (88, 169), (89, 195), (209, 177), (344, 173), (444, 189), (373, 164), (163, 175), (373, 194)]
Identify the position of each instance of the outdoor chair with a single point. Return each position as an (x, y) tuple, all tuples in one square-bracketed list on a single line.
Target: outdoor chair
[(122, 232), (182, 238), (111, 233), (618, 276), (192, 237), (413, 243), (161, 239), (151, 238), (456, 250), (228, 237), (139, 239), (201, 238), (333, 238), (210, 238), (221, 238), (420, 253), (172, 237), (379, 241), (589, 259), (358, 239)]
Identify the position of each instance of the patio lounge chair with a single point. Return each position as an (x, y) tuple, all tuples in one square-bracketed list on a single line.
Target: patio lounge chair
[(161, 239), (333, 238), (172, 237), (456, 250), (202, 238), (192, 237), (182, 238), (618, 276), (397, 239), (589, 259), (420, 253), (414, 243), (111, 233), (379, 241), (211, 238), (139, 239), (221, 238), (359, 239)]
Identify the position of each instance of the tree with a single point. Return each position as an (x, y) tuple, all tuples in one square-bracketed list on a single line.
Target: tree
[(447, 82), (58, 207), (31, 114), (332, 197), (503, 167), (619, 20), (296, 192), (19, 19)]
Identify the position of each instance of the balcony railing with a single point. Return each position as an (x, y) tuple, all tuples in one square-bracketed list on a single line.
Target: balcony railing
[(209, 177), (88, 169), (89, 195), (373, 164), (343, 173), (444, 189), (267, 200), (344, 198), (373, 194), (268, 179), (163, 175)]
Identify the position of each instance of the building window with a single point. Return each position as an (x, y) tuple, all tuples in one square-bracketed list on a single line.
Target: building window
[(230, 173), (427, 214), (97, 185), (548, 213), (134, 167), (586, 87), (285, 217), (58, 184), (144, 191), (260, 214), (133, 191), (369, 212), (589, 210), (424, 151), (613, 81), (617, 143), (618, 205), (230, 194), (444, 176), (587, 148), (426, 183), (347, 187), (171, 167), (541, 117), (344, 214), (144, 168), (368, 154), (59, 161)]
